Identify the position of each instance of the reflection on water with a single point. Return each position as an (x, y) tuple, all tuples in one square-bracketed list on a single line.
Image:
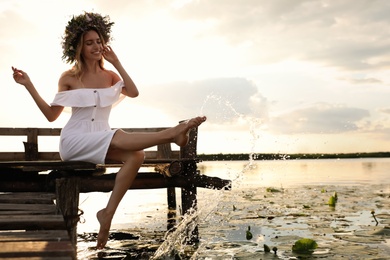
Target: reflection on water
[(298, 209), (289, 173)]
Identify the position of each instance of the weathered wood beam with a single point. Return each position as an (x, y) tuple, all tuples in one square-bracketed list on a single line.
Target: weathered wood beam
[(31, 222), (34, 235), (37, 250), (67, 201), (105, 183)]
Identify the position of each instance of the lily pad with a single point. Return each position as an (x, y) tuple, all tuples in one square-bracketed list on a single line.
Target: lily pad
[(304, 245)]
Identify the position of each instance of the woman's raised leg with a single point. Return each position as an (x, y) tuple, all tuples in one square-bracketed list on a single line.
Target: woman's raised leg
[(128, 147), (141, 141)]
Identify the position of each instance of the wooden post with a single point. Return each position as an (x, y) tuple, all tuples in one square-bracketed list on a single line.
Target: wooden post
[(165, 151), (31, 146), (67, 200), (189, 193), (171, 199)]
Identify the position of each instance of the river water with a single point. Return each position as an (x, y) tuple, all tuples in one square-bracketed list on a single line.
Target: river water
[(280, 201)]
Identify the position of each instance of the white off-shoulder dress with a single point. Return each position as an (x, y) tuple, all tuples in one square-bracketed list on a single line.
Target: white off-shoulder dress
[(87, 135)]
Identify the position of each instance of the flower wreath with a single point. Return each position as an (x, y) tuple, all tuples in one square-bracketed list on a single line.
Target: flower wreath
[(77, 26)]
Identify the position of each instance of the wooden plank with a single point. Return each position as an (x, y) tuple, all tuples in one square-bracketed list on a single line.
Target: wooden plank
[(54, 156), (105, 182), (13, 131), (49, 131), (46, 165), (43, 208), (31, 222), (11, 156), (27, 198), (19, 212), (20, 156), (36, 249), (79, 165), (24, 131), (34, 235), (68, 165)]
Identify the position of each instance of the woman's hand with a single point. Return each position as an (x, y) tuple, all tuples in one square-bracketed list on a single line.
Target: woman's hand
[(21, 77), (109, 54), (50, 112), (130, 88)]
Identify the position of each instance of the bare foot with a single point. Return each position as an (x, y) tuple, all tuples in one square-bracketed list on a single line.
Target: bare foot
[(184, 128), (105, 223)]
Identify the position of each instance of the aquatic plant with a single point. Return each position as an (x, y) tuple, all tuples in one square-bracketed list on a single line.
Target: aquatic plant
[(270, 189), (332, 200), (304, 245), (249, 233), (335, 196), (373, 215)]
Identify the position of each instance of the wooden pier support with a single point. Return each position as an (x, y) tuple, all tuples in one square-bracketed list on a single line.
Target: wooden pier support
[(172, 207), (67, 200)]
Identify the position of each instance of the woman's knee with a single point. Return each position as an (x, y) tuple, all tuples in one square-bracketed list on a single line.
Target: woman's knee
[(140, 155)]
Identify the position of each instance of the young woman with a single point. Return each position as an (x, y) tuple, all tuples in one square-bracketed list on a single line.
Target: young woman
[(91, 90)]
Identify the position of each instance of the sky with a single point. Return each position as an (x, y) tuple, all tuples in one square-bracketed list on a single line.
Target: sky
[(280, 76)]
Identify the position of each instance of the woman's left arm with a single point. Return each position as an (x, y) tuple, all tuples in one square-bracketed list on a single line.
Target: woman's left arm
[(110, 56)]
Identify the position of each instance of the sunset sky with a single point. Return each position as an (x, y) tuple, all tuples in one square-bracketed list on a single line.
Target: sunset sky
[(280, 76)]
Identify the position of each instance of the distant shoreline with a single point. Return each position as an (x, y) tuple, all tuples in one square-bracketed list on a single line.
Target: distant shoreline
[(270, 156)]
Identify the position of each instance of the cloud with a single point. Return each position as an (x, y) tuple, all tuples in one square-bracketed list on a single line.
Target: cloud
[(344, 34), (222, 100), (320, 118), (385, 110), (365, 81)]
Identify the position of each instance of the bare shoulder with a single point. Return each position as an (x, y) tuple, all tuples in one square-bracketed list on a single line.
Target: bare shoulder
[(67, 81), (114, 77)]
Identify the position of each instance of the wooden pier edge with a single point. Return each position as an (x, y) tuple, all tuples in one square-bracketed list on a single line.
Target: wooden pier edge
[(68, 179)]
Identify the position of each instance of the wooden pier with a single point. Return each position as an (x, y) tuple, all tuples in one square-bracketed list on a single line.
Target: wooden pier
[(32, 228), (32, 180)]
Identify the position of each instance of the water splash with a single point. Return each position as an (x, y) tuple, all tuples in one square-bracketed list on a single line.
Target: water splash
[(222, 110), (175, 241), (218, 110)]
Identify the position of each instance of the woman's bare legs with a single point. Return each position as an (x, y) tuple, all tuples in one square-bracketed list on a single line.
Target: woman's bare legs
[(141, 141), (128, 147), (123, 181)]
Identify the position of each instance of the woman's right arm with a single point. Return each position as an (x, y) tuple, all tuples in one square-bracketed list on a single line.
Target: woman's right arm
[(50, 112)]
